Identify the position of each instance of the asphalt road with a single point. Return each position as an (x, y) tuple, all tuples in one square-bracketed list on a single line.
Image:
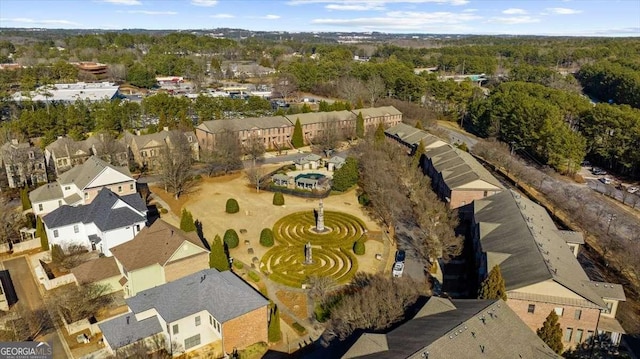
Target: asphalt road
[(29, 295), (458, 137)]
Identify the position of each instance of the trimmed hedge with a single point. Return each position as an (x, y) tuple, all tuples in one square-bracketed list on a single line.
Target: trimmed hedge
[(358, 247), (232, 206), (254, 276), (278, 199), (231, 238), (266, 237), (298, 328)]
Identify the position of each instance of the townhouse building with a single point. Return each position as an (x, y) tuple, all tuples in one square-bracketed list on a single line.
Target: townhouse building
[(146, 151), (66, 153), (23, 163)]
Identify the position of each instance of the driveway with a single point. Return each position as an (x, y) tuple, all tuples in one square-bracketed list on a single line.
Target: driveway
[(29, 295)]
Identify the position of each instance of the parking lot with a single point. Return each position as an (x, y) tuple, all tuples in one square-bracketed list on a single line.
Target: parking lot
[(601, 181)]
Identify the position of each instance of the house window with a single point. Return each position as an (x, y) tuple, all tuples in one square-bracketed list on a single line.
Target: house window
[(486, 193), (198, 322), (86, 195), (567, 334), (211, 320), (59, 202), (176, 329), (66, 188), (55, 233), (589, 334), (191, 342), (119, 189), (40, 207), (559, 311), (609, 308), (577, 314), (578, 337), (131, 187), (75, 228), (531, 309)]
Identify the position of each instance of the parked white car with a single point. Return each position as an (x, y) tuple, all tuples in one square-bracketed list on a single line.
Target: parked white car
[(605, 180), (633, 189), (398, 268)]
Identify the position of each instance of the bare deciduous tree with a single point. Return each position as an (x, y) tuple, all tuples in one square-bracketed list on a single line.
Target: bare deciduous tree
[(375, 89), (321, 286), (351, 89), (225, 156), (28, 324), (10, 222), (176, 160), (80, 302), (330, 136), (254, 146), (285, 84)]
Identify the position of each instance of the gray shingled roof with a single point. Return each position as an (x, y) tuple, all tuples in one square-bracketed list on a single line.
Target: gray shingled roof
[(222, 294), (46, 192), (608, 290), (572, 237), (519, 235), (469, 329), (410, 135), (320, 117), (83, 174), (119, 332), (100, 211), (459, 168), (240, 124)]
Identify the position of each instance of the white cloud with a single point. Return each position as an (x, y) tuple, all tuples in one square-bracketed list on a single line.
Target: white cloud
[(407, 21), (208, 3), (470, 10), (25, 20), (374, 3), (271, 17), (355, 7), (514, 20), (222, 16), (563, 11), (514, 11), (123, 2), (148, 12)]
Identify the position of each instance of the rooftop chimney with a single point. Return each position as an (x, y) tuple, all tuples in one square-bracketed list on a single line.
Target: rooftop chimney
[(127, 320)]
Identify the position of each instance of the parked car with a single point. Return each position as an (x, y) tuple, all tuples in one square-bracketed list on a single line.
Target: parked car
[(398, 268), (400, 255), (633, 189), (605, 180), (598, 171)]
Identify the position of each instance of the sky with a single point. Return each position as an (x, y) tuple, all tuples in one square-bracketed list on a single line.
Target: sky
[(530, 17)]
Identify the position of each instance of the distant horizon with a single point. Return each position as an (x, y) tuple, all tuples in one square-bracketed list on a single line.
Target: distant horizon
[(571, 18)]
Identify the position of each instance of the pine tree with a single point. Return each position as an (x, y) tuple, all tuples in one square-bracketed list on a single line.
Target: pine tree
[(42, 234), (24, 198), (186, 221), (297, 140), (417, 155), (232, 206), (278, 199), (360, 125), (379, 135), (274, 325), (419, 125), (231, 238), (493, 286), (218, 258), (551, 333)]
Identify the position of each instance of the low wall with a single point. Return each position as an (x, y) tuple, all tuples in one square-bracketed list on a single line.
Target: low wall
[(42, 275), (21, 246)]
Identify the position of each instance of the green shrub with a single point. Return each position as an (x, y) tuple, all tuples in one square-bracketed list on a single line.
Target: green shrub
[(57, 254), (232, 206), (231, 238), (298, 328), (42, 234), (164, 211), (274, 325), (278, 199), (266, 237), (321, 313), (254, 276), (358, 247), (24, 198), (186, 221), (238, 265)]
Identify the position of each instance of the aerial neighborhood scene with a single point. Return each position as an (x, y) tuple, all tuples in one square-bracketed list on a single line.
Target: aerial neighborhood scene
[(425, 179)]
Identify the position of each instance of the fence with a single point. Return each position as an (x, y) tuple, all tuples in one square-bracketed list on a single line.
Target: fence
[(42, 274), (20, 246)]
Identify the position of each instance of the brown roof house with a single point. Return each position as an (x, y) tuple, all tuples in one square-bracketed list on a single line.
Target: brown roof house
[(314, 124), (101, 271), (146, 150), (23, 163), (274, 131), (159, 254), (540, 269), (443, 329), (205, 308), (65, 153)]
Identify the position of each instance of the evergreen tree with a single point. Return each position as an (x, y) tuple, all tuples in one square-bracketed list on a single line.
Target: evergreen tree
[(360, 125), (231, 238), (218, 258), (551, 333), (419, 125), (42, 234), (274, 325), (266, 237), (493, 286), (346, 176), (24, 198), (359, 104), (232, 206), (417, 155), (358, 247), (379, 135), (297, 140), (186, 221)]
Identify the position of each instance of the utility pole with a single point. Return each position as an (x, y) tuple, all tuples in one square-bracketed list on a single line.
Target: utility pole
[(612, 217)]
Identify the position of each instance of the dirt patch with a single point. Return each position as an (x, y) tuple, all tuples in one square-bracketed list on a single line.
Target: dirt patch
[(296, 302)]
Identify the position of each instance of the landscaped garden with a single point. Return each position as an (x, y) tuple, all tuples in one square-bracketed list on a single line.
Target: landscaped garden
[(331, 251)]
